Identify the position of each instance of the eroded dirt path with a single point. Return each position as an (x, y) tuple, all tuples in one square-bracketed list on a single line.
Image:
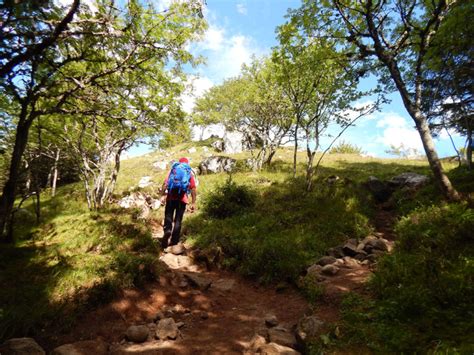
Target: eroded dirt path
[(352, 277), (215, 321), (218, 319)]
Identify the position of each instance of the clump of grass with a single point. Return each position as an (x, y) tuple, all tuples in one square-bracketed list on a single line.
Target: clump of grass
[(228, 200), (346, 148)]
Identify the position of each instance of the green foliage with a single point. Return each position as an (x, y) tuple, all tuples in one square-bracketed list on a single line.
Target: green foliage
[(228, 200), (346, 148), (288, 226), (181, 133), (312, 290), (423, 291)]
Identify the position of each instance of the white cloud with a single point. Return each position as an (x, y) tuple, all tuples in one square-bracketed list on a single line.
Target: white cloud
[(162, 5), (391, 120), (443, 134), (242, 9), (196, 86), (397, 132), (213, 39), (225, 52)]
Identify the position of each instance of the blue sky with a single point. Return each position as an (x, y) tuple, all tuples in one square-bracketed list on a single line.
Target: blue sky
[(239, 29)]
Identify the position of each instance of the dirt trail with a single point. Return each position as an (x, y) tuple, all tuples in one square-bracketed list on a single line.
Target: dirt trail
[(353, 279), (215, 320)]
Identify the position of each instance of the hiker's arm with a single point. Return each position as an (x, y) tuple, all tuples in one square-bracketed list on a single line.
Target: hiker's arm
[(193, 199), (163, 192)]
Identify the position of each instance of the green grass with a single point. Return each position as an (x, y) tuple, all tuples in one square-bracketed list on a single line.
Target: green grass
[(72, 260), (287, 229)]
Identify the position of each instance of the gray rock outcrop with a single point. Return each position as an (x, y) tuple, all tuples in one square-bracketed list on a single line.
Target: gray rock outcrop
[(216, 164), (411, 180)]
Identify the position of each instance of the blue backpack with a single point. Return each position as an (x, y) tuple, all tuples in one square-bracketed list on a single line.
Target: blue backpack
[(178, 181)]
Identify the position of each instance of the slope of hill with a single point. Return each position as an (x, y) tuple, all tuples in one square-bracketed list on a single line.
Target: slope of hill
[(75, 259)]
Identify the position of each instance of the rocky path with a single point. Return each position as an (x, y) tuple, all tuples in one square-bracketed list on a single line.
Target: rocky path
[(354, 262), (211, 311), (193, 310)]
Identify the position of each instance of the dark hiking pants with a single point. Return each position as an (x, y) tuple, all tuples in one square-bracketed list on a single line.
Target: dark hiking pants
[(174, 212)]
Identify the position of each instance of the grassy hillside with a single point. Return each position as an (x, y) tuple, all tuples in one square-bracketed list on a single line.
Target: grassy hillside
[(75, 259)]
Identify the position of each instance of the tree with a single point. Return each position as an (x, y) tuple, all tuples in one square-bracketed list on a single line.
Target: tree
[(320, 84), (266, 120), (252, 104), (100, 51), (30, 28), (449, 83), (394, 37), (204, 112)]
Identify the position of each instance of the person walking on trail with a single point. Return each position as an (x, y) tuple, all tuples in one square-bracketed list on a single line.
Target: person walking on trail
[(176, 187)]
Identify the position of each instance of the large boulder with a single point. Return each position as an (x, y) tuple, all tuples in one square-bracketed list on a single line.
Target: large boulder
[(412, 180), (216, 164), (176, 261), (21, 346), (233, 142)]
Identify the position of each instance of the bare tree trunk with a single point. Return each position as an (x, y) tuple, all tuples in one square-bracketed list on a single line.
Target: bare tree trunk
[(435, 164), (270, 156), (469, 148), (309, 170), (55, 173), (296, 150), (9, 190)]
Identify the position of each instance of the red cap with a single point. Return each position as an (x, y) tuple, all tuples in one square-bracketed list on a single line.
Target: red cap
[(184, 160)]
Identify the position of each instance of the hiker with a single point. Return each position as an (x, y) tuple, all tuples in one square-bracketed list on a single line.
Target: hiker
[(179, 182)]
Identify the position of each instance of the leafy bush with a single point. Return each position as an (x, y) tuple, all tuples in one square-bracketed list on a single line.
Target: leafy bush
[(228, 200), (286, 230), (346, 148), (424, 290)]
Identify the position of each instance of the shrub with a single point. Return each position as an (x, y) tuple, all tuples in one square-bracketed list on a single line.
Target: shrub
[(346, 148), (228, 200), (286, 230)]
